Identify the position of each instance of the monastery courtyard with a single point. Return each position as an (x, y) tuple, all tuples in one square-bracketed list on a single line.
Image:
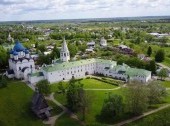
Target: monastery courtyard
[(96, 90)]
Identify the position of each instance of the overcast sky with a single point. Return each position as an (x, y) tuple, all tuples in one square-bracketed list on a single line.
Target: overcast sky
[(15, 10)]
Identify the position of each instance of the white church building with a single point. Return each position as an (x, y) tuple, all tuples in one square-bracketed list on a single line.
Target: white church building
[(23, 67), (20, 63)]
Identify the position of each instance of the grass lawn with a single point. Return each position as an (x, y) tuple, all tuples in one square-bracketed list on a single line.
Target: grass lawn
[(96, 84), (166, 61), (88, 83), (96, 99), (56, 109), (161, 118), (166, 84), (65, 120), (15, 106)]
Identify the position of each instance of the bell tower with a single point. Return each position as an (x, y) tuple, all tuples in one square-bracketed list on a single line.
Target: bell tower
[(64, 53)]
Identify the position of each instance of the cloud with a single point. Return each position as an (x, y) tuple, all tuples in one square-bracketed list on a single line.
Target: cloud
[(76, 8)]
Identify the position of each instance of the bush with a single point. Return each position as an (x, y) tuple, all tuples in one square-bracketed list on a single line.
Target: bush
[(3, 83), (43, 87), (107, 81)]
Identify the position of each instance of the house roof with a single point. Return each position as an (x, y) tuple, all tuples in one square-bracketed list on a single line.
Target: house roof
[(38, 102), (67, 65), (137, 72), (38, 74)]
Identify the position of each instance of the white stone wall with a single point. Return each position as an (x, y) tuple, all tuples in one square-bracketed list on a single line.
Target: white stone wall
[(33, 80)]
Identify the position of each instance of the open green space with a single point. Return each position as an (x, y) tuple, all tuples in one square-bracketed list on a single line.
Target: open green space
[(56, 109), (87, 84), (96, 84), (161, 118), (65, 120), (15, 106), (166, 84), (96, 99)]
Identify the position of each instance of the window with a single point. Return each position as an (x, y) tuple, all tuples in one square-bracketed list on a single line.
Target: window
[(30, 66)]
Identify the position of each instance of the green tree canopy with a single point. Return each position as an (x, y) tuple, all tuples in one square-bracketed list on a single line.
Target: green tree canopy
[(149, 51), (136, 98), (160, 55), (163, 73), (43, 87), (112, 106)]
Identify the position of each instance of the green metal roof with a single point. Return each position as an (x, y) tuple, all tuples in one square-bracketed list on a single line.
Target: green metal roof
[(37, 74), (131, 72), (137, 72), (67, 65)]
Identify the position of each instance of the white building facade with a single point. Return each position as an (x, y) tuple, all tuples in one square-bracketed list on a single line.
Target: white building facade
[(22, 66), (63, 69), (20, 63)]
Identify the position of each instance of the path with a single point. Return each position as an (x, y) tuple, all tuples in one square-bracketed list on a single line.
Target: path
[(164, 66), (112, 89), (141, 116), (53, 119)]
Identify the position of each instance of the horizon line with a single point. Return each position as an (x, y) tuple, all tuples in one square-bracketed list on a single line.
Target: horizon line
[(1, 21)]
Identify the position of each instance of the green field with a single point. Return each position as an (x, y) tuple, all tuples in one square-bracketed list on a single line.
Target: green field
[(161, 118), (15, 106), (96, 99), (166, 84), (65, 120), (88, 84)]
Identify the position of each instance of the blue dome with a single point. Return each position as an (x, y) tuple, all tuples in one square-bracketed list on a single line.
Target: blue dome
[(26, 52), (18, 47), (11, 51), (15, 53)]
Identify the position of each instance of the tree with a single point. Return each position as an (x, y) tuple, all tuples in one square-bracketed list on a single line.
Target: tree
[(42, 48), (3, 57), (3, 82), (149, 52), (152, 66), (163, 73), (73, 49), (112, 106), (156, 92), (36, 44), (55, 53), (164, 40), (43, 87), (136, 98), (160, 55), (76, 97), (61, 87)]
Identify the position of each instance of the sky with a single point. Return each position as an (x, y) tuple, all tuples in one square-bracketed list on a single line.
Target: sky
[(19, 10)]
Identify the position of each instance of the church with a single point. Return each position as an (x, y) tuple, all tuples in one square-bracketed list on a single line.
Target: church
[(22, 66)]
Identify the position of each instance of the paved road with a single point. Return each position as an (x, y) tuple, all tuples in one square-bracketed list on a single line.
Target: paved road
[(53, 119), (141, 116), (112, 89), (164, 66)]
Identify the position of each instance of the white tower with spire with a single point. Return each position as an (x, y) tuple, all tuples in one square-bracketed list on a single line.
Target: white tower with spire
[(64, 53), (10, 39)]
